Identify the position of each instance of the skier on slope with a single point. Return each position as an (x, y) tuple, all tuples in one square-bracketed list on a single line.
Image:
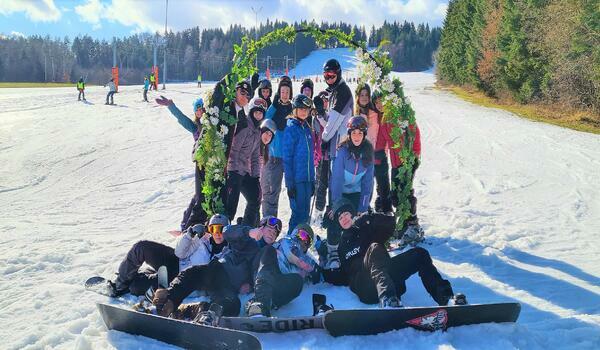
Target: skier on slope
[(112, 89), (272, 172), (298, 161), (81, 89), (223, 279), (145, 91), (194, 127), (197, 246), (368, 269)]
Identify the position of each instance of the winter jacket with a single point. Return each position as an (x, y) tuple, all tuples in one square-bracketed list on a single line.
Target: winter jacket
[(318, 125), (146, 84), (367, 228), (351, 175), (111, 86), (395, 157), (290, 255), (244, 157), (340, 111), (373, 122), (277, 111), (184, 121), (80, 85), (193, 251), (239, 258), (298, 156)]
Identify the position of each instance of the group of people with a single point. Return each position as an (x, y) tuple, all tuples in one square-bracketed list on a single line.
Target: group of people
[(330, 147)]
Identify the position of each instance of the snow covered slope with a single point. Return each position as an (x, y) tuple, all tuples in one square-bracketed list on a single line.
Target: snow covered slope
[(511, 208), (313, 63)]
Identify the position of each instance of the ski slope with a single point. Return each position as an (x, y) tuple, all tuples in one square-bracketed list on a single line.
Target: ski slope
[(511, 209)]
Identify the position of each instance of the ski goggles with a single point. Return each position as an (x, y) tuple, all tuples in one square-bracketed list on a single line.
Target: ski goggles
[(329, 75), (259, 102), (272, 222), (215, 229), (304, 236), (306, 102)]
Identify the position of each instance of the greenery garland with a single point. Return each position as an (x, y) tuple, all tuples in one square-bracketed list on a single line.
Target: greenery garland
[(375, 68)]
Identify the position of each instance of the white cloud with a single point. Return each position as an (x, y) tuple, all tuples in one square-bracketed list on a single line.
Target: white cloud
[(91, 12), (36, 10)]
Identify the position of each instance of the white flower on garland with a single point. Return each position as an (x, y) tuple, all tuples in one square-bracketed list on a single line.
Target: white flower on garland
[(223, 131), (387, 85), (214, 120), (404, 124)]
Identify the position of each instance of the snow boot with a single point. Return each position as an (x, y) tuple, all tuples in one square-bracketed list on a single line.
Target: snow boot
[(443, 293), (210, 317), (115, 289), (333, 259), (412, 235), (319, 304), (390, 303), (458, 299), (257, 309)]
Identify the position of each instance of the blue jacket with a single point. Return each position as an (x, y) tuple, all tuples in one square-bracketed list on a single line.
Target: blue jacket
[(184, 121), (298, 155), (146, 84), (350, 175), (281, 111), (289, 250)]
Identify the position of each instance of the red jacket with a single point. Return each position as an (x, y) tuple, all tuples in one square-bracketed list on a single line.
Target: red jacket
[(384, 141)]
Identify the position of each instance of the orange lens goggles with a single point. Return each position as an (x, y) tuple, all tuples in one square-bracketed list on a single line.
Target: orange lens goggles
[(215, 229)]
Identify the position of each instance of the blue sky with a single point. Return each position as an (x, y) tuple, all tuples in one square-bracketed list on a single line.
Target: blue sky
[(107, 18)]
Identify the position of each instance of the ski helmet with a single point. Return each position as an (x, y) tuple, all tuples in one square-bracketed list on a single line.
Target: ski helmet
[(258, 104), (332, 65), (199, 103), (268, 125), (265, 84), (304, 232), (272, 222), (302, 101), (358, 122), (218, 219), (308, 83), (245, 86)]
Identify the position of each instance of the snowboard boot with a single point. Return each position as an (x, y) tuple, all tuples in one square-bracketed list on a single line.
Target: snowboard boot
[(149, 295), (458, 299), (164, 306), (116, 289), (210, 317), (320, 306), (390, 302), (443, 293), (257, 309), (412, 235), (333, 259), (190, 311)]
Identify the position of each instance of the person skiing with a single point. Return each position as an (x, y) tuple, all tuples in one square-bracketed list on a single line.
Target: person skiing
[(283, 267), (364, 106), (152, 81), (81, 89), (298, 161), (338, 113), (351, 178), (243, 166), (194, 127), (199, 80), (371, 273), (197, 246), (112, 89), (272, 173), (222, 278), (265, 90), (146, 86)]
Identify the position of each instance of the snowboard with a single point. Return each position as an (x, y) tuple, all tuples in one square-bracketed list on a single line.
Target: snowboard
[(374, 321), (184, 334), (98, 284), (272, 324)]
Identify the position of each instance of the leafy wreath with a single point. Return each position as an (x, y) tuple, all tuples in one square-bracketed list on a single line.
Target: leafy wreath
[(374, 68)]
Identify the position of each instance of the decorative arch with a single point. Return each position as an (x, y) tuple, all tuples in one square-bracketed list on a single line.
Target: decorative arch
[(374, 68)]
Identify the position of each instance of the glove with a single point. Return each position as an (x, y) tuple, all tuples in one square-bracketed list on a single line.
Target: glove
[(254, 81), (163, 101), (319, 105), (197, 229), (291, 192)]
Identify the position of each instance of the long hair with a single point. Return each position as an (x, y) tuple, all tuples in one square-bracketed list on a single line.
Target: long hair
[(363, 152), (364, 110)]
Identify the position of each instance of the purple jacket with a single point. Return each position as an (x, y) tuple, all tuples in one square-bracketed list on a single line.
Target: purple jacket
[(244, 156)]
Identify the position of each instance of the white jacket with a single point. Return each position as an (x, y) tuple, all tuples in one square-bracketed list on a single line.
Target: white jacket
[(193, 251)]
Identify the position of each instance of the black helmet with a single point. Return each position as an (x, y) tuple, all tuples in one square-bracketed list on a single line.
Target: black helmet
[(308, 83), (358, 122), (332, 65), (302, 101), (265, 84)]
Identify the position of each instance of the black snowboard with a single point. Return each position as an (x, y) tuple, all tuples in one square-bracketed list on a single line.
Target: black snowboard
[(272, 324), (99, 285), (374, 321), (181, 333)]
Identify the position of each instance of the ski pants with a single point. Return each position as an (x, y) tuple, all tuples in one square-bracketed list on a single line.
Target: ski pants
[(81, 93), (212, 278), (195, 214), (271, 287), (110, 95), (383, 202), (333, 229), (249, 187), (323, 170), (380, 275), (145, 95), (270, 183), (153, 254), (300, 205)]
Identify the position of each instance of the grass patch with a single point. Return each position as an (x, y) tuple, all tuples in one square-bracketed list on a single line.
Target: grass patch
[(556, 115), (36, 85)]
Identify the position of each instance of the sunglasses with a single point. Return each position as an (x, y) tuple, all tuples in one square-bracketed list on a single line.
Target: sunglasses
[(328, 76), (244, 93), (304, 236), (215, 229), (272, 222)]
